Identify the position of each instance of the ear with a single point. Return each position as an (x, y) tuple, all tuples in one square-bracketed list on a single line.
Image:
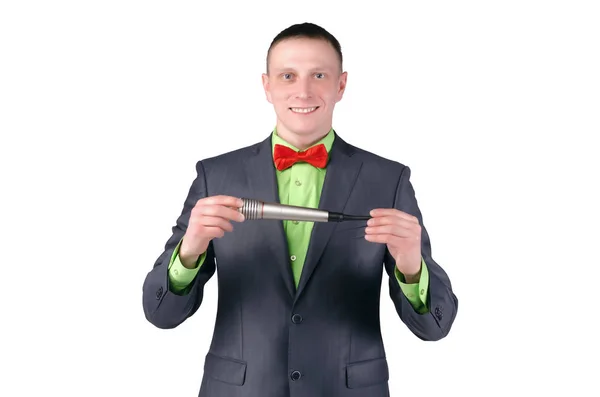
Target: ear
[(266, 87), (342, 86)]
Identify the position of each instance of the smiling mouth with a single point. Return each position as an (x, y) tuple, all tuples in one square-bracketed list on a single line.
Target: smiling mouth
[(304, 110)]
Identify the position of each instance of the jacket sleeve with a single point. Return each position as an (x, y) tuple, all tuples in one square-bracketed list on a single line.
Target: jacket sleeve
[(163, 306), (441, 303)]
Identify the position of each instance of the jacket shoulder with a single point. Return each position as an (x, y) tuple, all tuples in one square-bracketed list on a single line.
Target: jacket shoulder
[(230, 158), (375, 160)]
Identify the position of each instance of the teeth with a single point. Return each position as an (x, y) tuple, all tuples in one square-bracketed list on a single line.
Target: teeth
[(303, 110)]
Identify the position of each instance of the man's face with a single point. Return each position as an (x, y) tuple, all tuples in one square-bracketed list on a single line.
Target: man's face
[(304, 83)]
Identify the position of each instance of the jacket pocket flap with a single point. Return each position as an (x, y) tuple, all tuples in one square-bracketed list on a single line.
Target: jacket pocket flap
[(226, 370), (367, 373)]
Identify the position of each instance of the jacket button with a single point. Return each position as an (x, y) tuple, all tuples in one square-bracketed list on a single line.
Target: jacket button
[(296, 319), (296, 375), (159, 292), (438, 313)]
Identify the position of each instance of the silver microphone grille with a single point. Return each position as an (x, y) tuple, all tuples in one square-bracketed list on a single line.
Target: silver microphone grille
[(252, 209)]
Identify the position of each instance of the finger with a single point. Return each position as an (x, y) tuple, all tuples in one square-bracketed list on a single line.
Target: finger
[(381, 238), (220, 211), (380, 212), (391, 220), (394, 230), (383, 212), (228, 201), (214, 232), (215, 221)]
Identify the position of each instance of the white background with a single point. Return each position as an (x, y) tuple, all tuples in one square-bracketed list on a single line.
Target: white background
[(105, 107)]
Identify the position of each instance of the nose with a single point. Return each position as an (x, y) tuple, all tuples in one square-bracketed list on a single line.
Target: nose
[(304, 90)]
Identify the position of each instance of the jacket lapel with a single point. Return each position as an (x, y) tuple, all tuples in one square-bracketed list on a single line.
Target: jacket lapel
[(262, 181), (340, 178)]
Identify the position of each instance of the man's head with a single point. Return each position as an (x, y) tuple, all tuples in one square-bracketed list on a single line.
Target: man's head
[(304, 81)]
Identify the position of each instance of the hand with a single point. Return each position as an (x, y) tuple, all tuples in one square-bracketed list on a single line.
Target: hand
[(402, 234), (210, 218)]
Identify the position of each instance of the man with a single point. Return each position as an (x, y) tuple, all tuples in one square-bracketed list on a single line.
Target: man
[(298, 308)]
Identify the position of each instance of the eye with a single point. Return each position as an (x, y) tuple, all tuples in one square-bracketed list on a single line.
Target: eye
[(286, 76), (320, 75)]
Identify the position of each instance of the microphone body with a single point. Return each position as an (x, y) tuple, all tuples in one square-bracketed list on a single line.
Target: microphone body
[(256, 209)]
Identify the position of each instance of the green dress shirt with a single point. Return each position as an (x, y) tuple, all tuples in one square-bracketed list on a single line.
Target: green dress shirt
[(300, 185)]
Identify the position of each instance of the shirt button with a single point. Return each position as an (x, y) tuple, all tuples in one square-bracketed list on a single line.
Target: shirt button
[(296, 375), (422, 291), (298, 183), (296, 319), (293, 257)]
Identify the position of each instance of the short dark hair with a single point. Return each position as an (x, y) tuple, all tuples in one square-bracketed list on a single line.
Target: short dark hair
[(310, 31)]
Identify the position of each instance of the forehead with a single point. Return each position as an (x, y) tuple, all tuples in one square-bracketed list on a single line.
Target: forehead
[(303, 53)]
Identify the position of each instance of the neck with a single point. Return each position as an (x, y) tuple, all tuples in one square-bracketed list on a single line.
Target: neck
[(301, 141)]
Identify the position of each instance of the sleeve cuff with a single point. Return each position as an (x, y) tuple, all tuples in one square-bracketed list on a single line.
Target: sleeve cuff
[(180, 277), (415, 293)]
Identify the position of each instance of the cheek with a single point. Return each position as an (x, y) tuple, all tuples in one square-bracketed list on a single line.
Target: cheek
[(327, 93), (280, 93), (280, 101)]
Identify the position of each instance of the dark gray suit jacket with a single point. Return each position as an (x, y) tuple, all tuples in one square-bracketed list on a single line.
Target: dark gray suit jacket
[(323, 339)]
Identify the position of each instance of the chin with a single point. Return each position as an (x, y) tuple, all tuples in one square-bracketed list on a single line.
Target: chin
[(302, 124), (304, 127)]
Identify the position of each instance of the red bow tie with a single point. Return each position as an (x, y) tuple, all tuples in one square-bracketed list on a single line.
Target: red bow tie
[(285, 157)]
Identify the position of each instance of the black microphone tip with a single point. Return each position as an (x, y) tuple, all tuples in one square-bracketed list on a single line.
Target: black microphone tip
[(338, 217)]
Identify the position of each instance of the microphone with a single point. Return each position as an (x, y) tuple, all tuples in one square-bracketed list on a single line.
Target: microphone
[(256, 209)]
